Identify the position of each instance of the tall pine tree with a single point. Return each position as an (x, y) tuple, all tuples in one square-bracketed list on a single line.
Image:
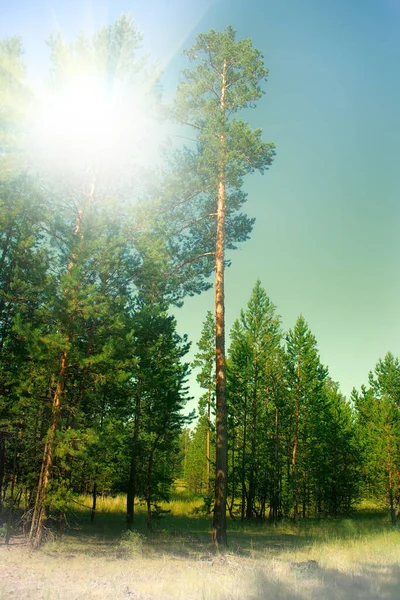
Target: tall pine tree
[(226, 79)]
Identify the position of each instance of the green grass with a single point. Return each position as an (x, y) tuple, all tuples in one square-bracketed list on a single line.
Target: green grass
[(184, 530)]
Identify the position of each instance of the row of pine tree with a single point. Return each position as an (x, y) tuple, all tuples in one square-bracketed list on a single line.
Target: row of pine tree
[(297, 446)]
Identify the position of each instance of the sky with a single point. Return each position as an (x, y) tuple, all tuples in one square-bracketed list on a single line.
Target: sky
[(326, 242)]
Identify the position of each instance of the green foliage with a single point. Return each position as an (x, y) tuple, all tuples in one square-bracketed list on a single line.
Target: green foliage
[(204, 360), (91, 365), (15, 99), (84, 329), (256, 346), (200, 103), (195, 460), (378, 426), (294, 446), (188, 196), (336, 456), (131, 544)]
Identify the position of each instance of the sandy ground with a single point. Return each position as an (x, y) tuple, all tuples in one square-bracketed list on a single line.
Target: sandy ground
[(50, 574)]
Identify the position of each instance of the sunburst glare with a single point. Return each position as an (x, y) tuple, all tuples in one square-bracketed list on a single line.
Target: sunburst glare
[(86, 122)]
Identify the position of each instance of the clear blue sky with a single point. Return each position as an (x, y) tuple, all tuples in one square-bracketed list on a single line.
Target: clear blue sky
[(326, 241)]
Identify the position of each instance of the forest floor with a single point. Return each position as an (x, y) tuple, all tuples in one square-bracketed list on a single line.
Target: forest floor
[(353, 558)]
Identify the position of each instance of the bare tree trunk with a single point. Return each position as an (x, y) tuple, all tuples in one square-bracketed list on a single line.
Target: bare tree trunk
[(221, 463)]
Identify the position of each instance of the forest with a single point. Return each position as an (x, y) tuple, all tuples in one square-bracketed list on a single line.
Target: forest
[(98, 247)]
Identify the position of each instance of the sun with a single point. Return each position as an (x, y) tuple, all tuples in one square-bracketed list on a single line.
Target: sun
[(86, 122)]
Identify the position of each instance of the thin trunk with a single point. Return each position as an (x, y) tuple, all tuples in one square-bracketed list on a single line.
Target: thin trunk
[(243, 513), (148, 513), (253, 459), (208, 450), (390, 482), (219, 521), (149, 485), (94, 501), (233, 479), (2, 467), (132, 485), (13, 482), (275, 492), (304, 495), (295, 444), (37, 525)]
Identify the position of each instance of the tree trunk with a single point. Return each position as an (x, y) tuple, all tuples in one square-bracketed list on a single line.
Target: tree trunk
[(390, 481), (208, 450), (130, 497), (243, 475), (295, 445), (253, 444), (2, 467), (94, 501), (275, 491), (149, 485), (233, 491), (221, 463), (13, 482), (36, 531)]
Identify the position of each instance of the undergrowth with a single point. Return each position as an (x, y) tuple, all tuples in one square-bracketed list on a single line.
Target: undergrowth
[(180, 527)]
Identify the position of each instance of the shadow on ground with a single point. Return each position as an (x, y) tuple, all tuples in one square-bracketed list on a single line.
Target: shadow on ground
[(368, 582)]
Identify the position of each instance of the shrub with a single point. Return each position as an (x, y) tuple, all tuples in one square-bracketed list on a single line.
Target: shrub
[(131, 544)]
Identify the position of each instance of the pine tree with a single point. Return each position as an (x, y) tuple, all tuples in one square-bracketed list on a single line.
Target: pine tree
[(306, 378), (256, 343), (227, 79), (158, 392), (205, 360), (197, 461), (335, 458), (379, 432)]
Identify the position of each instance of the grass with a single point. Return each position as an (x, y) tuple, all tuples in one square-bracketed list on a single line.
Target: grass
[(184, 529), (357, 557)]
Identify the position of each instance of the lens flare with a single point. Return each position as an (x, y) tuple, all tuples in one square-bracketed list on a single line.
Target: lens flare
[(87, 122)]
